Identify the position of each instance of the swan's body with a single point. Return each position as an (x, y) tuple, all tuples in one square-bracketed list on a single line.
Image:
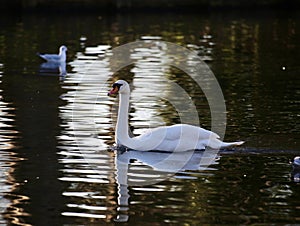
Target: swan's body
[(57, 58), (175, 138)]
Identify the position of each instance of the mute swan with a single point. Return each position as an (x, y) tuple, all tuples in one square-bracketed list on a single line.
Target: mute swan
[(61, 57), (175, 138)]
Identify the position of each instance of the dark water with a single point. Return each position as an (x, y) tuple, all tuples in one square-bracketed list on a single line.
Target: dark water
[(57, 124)]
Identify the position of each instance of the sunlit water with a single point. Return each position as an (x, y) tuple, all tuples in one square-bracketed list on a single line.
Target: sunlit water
[(57, 122), (8, 162)]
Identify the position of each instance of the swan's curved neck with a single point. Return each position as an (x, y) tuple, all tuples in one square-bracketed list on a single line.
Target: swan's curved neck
[(62, 55), (122, 136)]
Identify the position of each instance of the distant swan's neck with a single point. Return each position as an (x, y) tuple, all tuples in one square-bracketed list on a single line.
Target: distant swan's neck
[(122, 136), (62, 56)]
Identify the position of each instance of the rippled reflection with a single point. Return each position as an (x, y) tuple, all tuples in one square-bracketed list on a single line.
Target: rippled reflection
[(99, 180), (87, 166), (103, 186), (255, 57), (53, 69), (10, 213), (136, 169)]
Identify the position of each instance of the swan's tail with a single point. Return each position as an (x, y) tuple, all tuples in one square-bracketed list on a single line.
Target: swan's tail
[(215, 142), (41, 56), (230, 144)]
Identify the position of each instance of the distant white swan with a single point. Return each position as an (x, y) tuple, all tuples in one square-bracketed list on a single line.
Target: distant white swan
[(175, 138), (60, 57)]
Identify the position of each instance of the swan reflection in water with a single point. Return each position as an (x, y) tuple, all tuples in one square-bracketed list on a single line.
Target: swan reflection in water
[(53, 69), (136, 168)]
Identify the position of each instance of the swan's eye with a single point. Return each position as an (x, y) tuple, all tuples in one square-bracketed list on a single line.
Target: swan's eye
[(115, 88), (117, 85)]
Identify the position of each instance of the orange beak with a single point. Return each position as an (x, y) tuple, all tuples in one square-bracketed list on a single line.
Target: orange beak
[(114, 90)]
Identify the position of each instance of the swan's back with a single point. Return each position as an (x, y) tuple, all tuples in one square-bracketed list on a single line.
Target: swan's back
[(175, 138), (51, 57)]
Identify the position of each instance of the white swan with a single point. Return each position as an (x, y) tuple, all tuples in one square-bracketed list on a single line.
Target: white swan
[(58, 58), (175, 138)]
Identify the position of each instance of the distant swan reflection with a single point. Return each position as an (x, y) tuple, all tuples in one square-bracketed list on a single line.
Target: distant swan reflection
[(53, 68), (135, 168)]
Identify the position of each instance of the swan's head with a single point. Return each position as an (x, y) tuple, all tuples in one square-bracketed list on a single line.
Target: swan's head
[(119, 86), (63, 49)]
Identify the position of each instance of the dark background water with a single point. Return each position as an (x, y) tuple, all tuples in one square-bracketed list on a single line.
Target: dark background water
[(52, 174)]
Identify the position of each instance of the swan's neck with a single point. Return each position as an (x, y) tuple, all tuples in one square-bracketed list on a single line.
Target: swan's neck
[(122, 136), (62, 55)]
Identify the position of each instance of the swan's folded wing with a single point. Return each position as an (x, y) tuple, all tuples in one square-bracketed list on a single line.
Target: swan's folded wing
[(177, 132), (155, 139), (214, 135), (50, 57), (176, 137)]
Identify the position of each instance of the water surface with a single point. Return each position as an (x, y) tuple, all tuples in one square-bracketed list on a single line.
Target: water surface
[(57, 123)]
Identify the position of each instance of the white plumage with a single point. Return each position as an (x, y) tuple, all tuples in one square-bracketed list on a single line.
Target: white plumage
[(57, 58), (175, 138)]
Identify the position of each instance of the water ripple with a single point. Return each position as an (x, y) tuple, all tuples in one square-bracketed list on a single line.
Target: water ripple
[(9, 210), (93, 173)]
